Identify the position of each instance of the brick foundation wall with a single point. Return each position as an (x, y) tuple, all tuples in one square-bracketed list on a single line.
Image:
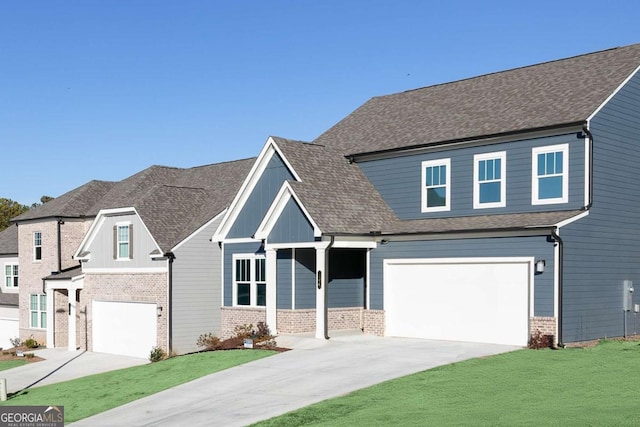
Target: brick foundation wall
[(546, 326), (296, 321), (373, 322), (230, 317), (345, 318)]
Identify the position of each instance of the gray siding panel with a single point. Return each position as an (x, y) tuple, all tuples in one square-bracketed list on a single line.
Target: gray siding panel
[(305, 270), (536, 247), (292, 226), (601, 250), (261, 198), (346, 278), (229, 250), (196, 289), (102, 246), (284, 285), (399, 180)]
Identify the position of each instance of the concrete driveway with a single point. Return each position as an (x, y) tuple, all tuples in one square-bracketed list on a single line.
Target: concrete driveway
[(313, 371)]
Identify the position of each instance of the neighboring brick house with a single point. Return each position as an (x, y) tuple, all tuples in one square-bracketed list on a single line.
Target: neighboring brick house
[(485, 209), (9, 288), (136, 269)]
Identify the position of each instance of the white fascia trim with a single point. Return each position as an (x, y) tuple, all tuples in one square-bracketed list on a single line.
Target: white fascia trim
[(614, 93), (258, 168), (299, 245), (572, 219), (362, 244), (125, 270), (70, 284), (240, 240), (275, 210), (195, 233)]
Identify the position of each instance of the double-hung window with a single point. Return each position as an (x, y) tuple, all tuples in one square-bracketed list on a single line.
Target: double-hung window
[(550, 174), (37, 246), (250, 280), (436, 187), (122, 241), (11, 275), (38, 310), (489, 180)]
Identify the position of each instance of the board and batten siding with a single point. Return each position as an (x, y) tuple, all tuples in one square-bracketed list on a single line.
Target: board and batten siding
[(292, 226), (102, 247), (603, 249), (346, 278), (536, 247), (305, 270), (284, 287), (229, 249), (197, 289), (260, 198), (399, 179)]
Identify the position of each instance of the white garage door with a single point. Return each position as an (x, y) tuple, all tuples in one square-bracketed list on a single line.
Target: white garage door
[(475, 300), (8, 330), (125, 328)]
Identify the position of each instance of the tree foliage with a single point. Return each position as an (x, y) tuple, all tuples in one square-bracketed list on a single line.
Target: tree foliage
[(10, 209)]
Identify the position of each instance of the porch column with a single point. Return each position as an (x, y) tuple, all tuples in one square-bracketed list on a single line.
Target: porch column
[(51, 310), (321, 291), (272, 309), (72, 319)]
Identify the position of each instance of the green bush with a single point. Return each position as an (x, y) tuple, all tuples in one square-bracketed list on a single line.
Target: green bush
[(157, 354), (208, 341), (31, 343)]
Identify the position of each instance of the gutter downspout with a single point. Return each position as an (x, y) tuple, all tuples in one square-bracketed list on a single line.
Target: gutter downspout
[(556, 238), (60, 222), (326, 290), (170, 257), (585, 129)]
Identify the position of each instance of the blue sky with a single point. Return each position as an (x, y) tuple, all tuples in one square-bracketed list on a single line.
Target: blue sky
[(101, 89)]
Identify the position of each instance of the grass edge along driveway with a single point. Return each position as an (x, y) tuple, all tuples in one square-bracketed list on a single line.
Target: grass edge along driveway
[(573, 386), (93, 394)]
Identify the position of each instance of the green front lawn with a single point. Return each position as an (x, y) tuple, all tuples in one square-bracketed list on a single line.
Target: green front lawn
[(8, 364), (577, 387), (91, 395)]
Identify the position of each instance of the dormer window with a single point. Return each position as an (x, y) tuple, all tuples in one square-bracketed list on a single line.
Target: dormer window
[(123, 241), (436, 187), (550, 174)]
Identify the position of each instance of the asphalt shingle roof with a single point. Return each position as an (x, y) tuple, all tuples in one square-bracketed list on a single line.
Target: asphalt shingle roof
[(9, 241), (555, 93), (10, 300)]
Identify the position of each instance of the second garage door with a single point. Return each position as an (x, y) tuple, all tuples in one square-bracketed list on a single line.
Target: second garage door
[(125, 328), (475, 300)]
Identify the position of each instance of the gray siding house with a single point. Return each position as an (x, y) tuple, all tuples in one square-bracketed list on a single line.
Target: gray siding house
[(488, 209), (9, 289)]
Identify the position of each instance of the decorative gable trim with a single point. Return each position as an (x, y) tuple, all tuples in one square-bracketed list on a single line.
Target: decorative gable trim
[(231, 215), (270, 219)]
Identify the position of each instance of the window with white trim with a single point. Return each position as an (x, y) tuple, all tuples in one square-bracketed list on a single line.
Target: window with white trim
[(550, 174), (37, 246), (249, 280), (11, 275), (436, 187), (38, 310), (123, 241), (489, 180)]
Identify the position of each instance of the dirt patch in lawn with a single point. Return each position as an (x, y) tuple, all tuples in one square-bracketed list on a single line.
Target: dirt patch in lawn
[(13, 354)]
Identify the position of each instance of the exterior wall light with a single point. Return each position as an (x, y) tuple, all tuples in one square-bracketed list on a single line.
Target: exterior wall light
[(540, 264)]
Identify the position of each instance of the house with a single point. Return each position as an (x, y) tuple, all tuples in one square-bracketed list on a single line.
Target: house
[(488, 209), (9, 287)]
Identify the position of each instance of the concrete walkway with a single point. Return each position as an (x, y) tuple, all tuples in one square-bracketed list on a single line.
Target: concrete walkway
[(313, 371), (63, 365)]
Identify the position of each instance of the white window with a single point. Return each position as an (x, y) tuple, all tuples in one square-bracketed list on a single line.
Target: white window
[(489, 180), (550, 174), (37, 246), (436, 187), (249, 280), (38, 310), (123, 241), (11, 275)]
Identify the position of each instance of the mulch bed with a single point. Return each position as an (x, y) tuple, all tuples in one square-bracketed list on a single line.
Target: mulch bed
[(12, 354)]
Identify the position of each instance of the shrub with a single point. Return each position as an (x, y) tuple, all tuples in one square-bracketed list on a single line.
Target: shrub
[(538, 340), (157, 354), (208, 341), (15, 341), (244, 331), (31, 343)]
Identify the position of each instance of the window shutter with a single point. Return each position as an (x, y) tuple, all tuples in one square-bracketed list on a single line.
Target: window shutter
[(115, 242), (130, 241)]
